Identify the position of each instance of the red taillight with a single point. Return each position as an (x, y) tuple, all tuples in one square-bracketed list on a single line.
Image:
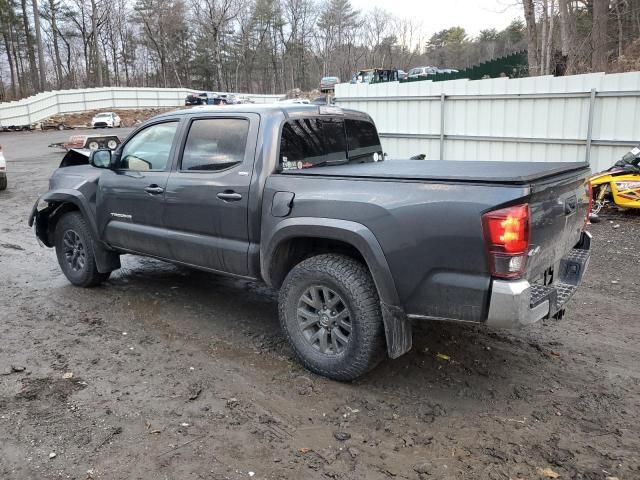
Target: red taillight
[(506, 232)]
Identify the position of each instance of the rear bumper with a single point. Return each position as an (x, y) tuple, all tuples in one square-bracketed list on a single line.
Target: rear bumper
[(518, 303)]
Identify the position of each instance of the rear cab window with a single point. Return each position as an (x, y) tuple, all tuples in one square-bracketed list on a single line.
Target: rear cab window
[(328, 141)]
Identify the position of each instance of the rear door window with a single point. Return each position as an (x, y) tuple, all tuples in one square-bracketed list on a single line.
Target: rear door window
[(312, 142), (215, 144)]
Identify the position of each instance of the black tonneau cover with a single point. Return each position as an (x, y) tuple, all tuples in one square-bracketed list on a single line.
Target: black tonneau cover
[(518, 173)]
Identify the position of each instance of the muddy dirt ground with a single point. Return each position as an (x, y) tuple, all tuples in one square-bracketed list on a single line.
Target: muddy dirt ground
[(166, 373)]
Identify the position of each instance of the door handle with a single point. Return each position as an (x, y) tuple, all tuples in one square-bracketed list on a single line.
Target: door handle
[(154, 189), (229, 196)]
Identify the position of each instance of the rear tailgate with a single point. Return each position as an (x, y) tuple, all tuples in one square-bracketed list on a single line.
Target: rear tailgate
[(559, 206)]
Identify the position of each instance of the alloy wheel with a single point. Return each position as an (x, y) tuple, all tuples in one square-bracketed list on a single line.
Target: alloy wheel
[(74, 251), (324, 319)]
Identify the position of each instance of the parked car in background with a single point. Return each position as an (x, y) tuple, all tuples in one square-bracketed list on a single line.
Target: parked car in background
[(3, 171), (328, 84), (207, 98), (231, 98), (422, 72), (221, 100), (447, 70), (244, 99), (50, 124), (106, 120), (375, 75), (196, 99), (402, 75)]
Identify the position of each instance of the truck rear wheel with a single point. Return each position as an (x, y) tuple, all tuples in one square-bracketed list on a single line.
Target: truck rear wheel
[(74, 249), (330, 313)]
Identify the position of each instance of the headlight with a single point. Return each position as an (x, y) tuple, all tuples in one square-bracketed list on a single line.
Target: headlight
[(627, 185), (42, 204)]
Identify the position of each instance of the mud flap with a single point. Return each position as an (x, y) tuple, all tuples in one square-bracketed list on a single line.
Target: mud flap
[(106, 260), (397, 330)]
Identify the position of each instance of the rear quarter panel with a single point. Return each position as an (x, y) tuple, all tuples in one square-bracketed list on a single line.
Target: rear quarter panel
[(431, 233)]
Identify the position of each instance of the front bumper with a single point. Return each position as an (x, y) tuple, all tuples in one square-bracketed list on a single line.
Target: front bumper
[(518, 303)]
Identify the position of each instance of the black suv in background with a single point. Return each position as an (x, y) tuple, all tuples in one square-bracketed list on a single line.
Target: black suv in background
[(209, 98)]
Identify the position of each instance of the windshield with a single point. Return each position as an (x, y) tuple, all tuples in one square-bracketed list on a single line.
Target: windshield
[(317, 142), (103, 115)]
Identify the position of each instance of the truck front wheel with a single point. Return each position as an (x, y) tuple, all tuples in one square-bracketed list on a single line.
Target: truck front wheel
[(330, 313), (74, 249)]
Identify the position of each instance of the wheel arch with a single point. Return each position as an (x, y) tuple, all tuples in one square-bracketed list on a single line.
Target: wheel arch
[(295, 239), (59, 202), (311, 235), (64, 201)]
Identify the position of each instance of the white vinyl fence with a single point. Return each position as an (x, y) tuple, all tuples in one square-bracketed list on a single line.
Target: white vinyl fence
[(593, 117), (43, 105)]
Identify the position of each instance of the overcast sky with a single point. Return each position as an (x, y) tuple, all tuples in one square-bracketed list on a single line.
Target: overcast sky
[(435, 15)]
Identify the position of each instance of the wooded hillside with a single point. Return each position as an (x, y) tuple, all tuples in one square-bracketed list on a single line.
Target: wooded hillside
[(271, 46)]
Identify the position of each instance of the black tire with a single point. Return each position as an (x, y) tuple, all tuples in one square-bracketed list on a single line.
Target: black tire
[(3, 183), (74, 249), (350, 281)]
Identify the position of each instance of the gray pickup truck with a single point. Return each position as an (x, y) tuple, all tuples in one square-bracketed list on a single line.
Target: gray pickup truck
[(303, 198)]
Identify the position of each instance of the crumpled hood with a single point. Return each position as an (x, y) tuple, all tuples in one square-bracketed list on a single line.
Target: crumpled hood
[(73, 178)]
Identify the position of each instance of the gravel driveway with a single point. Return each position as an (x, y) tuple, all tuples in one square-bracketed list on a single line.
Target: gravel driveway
[(167, 373)]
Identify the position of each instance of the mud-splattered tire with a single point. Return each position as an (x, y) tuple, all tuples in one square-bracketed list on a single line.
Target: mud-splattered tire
[(330, 313), (3, 183), (74, 249)]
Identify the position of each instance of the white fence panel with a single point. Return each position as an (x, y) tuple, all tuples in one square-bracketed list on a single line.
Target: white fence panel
[(592, 117), (43, 105)]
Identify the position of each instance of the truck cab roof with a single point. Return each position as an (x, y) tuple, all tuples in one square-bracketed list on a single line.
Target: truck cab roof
[(288, 110)]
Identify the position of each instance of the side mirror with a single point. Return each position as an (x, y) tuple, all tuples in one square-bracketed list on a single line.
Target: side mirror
[(100, 158)]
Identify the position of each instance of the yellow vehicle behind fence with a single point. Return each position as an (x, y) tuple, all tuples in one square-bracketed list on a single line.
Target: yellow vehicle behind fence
[(620, 184)]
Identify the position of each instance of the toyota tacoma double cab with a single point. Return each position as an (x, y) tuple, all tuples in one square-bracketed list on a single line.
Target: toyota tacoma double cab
[(303, 198)]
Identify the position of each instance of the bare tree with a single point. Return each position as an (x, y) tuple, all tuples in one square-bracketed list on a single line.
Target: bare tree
[(36, 26), (33, 69), (276, 45), (51, 15), (532, 37), (599, 35), (214, 17)]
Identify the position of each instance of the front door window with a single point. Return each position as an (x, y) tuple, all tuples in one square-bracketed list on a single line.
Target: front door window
[(149, 149)]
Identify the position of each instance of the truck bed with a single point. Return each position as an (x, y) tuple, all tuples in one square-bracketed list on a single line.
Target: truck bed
[(513, 173), (433, 237)]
